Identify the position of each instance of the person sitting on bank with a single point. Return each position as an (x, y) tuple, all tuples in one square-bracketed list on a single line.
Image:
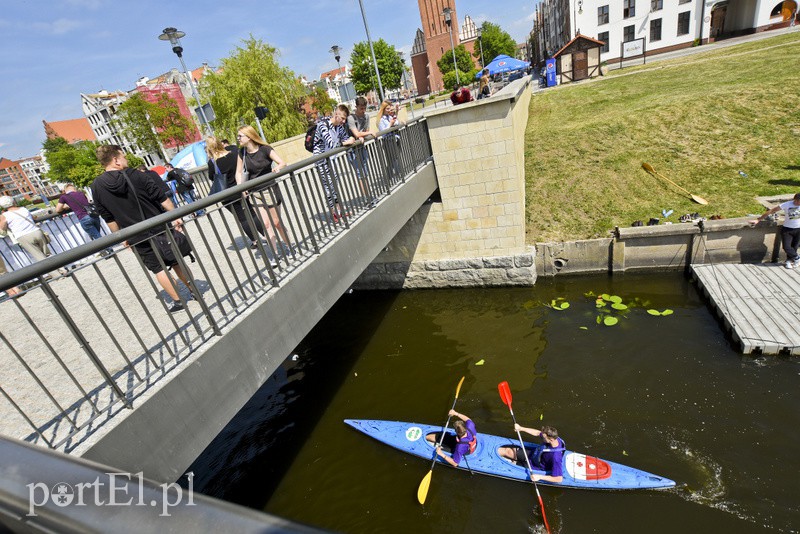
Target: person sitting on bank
[(462, 444), (546, 456)]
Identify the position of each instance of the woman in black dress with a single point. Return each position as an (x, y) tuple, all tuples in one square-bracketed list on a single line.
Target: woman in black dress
[(257, 158), (223, 158)]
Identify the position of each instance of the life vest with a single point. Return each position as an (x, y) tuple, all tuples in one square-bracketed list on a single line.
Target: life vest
[(539, 450), (473, 442)]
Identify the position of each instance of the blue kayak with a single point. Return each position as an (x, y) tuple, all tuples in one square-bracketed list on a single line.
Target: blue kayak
[(580, 470)]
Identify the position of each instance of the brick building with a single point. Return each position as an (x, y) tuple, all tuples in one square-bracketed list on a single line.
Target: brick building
[(432, 41), (73, 130), (13, 180)]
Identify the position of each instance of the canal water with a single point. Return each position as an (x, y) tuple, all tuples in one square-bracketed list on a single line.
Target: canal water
[(668, 394)]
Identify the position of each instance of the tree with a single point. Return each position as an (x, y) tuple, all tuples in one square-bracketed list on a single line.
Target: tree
[(495, 42), (251, 77), (320, 101), (362, 70), (133, 121), (71, 163), (466, 68), (172, 127)]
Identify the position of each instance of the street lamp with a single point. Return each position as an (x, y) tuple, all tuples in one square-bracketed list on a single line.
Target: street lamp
[(371, 77), (448, 20), (336, 51), (480, 42), (174, 37), (371, 49)]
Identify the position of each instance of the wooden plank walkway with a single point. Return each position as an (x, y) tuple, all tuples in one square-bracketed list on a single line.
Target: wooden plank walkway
[(760, 304)]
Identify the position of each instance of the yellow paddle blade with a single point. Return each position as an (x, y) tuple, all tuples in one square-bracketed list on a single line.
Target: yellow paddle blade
[(459, 386), (422, 491)]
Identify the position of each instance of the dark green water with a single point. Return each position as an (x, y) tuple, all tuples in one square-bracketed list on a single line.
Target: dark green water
[(669, 395)]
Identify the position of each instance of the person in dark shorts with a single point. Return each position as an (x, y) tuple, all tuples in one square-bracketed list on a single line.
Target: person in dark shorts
[(120, 206)]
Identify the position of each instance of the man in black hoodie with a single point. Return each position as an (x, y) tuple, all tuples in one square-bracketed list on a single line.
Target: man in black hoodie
[(118, 206)]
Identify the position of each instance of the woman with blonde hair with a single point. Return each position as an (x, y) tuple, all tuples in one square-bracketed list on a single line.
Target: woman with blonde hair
[(222, 160), (255, 158), (388, 118)]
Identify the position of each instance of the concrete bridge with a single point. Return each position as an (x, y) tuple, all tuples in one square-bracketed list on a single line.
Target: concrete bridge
[(94, 365)]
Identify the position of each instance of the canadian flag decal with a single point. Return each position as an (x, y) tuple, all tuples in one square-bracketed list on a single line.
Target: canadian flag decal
[(582, 467)]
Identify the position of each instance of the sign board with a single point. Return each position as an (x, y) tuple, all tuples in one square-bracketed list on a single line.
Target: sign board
[(347, 92), (209, 112), (633, 48), (550, 72)]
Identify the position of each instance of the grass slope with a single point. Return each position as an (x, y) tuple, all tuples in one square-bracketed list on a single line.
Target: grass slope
[(697, 120)]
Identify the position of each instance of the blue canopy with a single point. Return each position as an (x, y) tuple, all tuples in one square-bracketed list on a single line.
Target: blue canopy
[(503, 63), (192, 156)]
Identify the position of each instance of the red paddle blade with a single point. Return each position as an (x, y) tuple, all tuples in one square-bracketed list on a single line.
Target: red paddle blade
[(505, 393)]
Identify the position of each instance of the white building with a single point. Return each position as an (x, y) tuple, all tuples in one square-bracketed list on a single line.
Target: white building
[(663, 25), (100, 110), (35, 168)]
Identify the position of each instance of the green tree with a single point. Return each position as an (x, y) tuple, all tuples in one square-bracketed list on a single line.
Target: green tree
[(133, 120), (466, 68), (71, 163), (250, 77), (362, 71), (172, 127), (495, 42), (320, 101)]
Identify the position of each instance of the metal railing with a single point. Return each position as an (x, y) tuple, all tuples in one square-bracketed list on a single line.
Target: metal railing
[(78, 348)]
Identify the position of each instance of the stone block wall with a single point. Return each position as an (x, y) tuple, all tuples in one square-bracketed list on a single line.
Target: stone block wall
[(479, 152)]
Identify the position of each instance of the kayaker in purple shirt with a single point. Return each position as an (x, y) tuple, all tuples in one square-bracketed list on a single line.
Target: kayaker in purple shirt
[(546, 457), (462, 444)]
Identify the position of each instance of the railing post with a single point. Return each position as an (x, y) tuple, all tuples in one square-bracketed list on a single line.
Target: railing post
[(304, 212)]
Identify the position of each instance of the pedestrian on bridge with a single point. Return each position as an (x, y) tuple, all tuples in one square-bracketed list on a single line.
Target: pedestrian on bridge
[(76, 201), (20, 223), (125, 197), (358, 124), (330, 134)]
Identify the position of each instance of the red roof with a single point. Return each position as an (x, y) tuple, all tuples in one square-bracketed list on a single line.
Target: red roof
[(73, 130), (332, 73)]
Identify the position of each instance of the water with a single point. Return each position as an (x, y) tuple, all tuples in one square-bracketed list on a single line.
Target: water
[(669, 395)]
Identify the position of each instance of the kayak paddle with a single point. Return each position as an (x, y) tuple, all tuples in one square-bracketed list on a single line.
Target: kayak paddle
[(649, 168), (422, 491), (505, 395)]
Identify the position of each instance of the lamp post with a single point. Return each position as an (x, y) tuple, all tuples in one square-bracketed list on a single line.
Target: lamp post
[(371, 49), (449, 21), (174, 37), (480, 42), (335, 50)]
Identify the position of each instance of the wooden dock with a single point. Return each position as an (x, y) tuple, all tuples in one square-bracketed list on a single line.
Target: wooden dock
[(760, 304)]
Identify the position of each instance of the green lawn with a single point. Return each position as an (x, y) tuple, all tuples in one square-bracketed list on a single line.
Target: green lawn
[(698, 120)]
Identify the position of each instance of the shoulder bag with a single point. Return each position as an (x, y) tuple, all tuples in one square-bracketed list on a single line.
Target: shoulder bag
[(220, 181), (160, 240)]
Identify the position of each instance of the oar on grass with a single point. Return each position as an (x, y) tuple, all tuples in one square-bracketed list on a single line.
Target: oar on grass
[(505, 395), (422, 491), (649, 168)]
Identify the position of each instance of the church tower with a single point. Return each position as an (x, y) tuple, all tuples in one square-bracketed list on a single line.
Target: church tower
[(437, 42)]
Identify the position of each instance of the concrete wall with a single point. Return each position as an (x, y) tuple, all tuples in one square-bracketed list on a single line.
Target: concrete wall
[(176, 419), (663, 247), (479, 151)]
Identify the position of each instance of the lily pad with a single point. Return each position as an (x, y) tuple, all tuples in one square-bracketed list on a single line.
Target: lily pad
[(583, 328), (589, 294), (481, 362), (605, 296), (667, 312), (610, 321), (619, 306), (599, 319), (615, 299), (654, 312), (559, 304)]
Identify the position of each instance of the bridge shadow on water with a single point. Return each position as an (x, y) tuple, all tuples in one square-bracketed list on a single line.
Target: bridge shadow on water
[(248, 459)]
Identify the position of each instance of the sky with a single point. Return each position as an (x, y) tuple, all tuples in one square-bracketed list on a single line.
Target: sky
[(53, 50)]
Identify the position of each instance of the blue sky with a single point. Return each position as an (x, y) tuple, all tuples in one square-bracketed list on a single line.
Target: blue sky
[(53, 50)]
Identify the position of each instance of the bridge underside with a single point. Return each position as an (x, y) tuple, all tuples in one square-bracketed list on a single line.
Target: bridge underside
[(173, 423)]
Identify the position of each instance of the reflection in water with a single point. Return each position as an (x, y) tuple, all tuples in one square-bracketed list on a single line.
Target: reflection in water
[(667, 394)]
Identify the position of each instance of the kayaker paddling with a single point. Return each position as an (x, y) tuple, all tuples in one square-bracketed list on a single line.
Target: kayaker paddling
[(466, 439), (546, 456)]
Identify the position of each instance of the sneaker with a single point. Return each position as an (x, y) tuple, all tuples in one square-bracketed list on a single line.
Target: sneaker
[(790, 264), (176, 306), (797, 262)]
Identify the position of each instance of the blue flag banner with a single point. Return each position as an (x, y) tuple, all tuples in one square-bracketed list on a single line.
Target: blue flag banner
[(550, 68)]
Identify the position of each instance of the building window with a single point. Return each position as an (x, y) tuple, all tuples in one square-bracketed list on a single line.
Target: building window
[(628, 8), (656, 5), (603, 36), (683, 23), (655, 30), (602, 15), (628, 33), (684, 1), (777, 10)]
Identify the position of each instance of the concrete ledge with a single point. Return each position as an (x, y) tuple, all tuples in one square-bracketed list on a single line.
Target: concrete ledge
[(663, 247), (492, 271)]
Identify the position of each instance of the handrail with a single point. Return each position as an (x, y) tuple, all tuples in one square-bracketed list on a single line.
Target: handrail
[(40, 490), (19, 276)]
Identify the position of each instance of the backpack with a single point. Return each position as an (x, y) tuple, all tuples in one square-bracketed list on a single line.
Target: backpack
[(185, 177), (310, 134)]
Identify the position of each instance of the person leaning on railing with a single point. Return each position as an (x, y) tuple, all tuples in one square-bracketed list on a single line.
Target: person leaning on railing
[(20, 223), (331, 133)]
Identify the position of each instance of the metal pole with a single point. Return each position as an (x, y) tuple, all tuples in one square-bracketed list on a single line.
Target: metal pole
[(206, 125), (453, 50), (260, 129), (371, 49)]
